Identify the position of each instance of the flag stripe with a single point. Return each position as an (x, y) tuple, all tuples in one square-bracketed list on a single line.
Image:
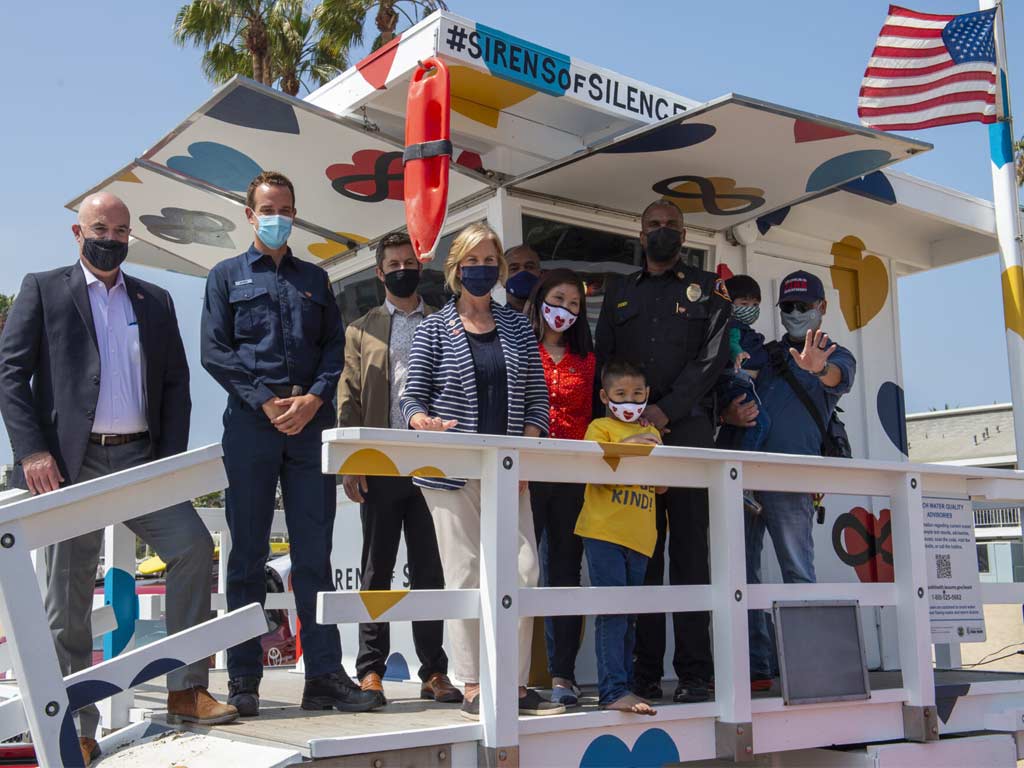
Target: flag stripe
[(975, 69), (934, 122), (916, 32), (918, 105), (893, 72), (903, 63), (896, 10), (904, 118), (910, 53), (968, 79)]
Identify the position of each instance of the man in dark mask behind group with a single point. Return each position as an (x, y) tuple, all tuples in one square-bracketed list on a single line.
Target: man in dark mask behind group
[(93, 380), (670, 320), (377, 347)]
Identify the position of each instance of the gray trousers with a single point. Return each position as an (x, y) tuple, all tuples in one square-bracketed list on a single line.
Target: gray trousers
[(180, 539)]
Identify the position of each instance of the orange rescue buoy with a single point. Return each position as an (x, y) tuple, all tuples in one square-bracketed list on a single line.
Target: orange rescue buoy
[(428, 155)]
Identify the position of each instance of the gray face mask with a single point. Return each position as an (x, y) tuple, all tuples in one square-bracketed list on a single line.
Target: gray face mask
[(797, 324)]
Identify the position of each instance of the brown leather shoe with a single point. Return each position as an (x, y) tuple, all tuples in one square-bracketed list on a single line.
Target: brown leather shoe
[(439, 688), (371, 683), (90, 749), (196, 705)]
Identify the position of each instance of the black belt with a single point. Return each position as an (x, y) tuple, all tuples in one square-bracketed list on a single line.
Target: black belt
[(106, 440), (286, 390)]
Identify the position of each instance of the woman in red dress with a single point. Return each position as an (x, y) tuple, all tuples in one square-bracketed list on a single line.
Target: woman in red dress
[(558, 314)]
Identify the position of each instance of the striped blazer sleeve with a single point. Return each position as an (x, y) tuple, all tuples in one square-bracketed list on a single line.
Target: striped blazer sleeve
[(537, 409)]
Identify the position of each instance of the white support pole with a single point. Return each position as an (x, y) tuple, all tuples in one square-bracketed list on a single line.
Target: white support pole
[(1005, 195), (221, 660), (499, 589), (118, 552), (911, 575), (33, 655), (729, 591)]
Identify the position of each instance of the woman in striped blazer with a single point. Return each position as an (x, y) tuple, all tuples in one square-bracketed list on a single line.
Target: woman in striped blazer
[(475, 367)]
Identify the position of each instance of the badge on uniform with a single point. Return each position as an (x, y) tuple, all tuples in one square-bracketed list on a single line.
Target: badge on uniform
[(243, 282), (693, 292)]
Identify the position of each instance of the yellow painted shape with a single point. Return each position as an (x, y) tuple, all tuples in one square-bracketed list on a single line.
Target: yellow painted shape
[(615, 452), (369, 461), (1013, 299), (379, 601), (329, 248), (427, 471), (129, 177), (481, 97), (861, 280), (723, 186)]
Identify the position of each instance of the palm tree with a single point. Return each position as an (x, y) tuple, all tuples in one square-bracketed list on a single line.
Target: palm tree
[(5, 307), (270, 41), (1018, 151), (347, 18)]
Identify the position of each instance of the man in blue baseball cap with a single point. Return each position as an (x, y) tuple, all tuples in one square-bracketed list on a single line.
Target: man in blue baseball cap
[(799, 389)]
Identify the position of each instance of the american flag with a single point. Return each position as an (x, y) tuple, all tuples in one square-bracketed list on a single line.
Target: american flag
[(930, 69)]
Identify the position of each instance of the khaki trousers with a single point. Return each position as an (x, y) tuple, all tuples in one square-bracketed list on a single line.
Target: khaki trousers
[(457, 523)]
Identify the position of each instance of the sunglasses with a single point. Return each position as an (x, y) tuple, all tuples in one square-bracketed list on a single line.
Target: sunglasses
[(795, 306)]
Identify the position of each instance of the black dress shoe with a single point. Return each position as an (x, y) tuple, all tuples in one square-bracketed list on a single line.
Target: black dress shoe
[(647, 689), (244, 695), (337, 691), (691, 689)]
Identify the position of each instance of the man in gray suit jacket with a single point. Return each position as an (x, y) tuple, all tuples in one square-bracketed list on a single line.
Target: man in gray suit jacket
[(93, 380)]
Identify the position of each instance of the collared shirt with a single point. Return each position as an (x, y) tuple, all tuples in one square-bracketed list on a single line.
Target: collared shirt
[(793, 430), (673, 326), (403, 328), (121, 408), (570, 391), (265, 325)]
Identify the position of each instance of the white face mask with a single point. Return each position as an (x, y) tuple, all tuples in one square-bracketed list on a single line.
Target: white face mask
[(558, 318), (627, 411)]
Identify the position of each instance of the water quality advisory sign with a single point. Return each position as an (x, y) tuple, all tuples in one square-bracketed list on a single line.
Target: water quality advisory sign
[(954, 593)]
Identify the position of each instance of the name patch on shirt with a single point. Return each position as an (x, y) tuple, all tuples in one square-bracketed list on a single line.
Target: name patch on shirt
[(243, 282)]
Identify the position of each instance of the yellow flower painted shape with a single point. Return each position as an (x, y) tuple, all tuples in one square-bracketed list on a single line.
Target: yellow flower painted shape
[(329, 248), (481, 97), (370, 461), (616, 452), (862, 282), (377, 602)]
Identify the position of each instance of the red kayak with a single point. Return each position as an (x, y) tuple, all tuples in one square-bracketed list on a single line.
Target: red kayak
[(428, 155)]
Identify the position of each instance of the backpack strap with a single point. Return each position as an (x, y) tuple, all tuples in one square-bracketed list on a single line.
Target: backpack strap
[(778, 357)]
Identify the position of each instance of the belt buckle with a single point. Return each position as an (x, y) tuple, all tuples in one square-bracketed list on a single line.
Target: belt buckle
[(103, 440)]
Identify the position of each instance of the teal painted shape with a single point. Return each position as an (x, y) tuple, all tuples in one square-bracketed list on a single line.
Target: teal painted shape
[(1000, 144), (843, 168), (653, 749), (119, 591)]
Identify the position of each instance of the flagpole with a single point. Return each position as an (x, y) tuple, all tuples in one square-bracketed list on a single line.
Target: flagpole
[(1008, 228)]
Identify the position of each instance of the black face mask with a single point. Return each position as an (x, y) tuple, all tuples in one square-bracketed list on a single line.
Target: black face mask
[(105, 255), (663, 244), (402, 282)]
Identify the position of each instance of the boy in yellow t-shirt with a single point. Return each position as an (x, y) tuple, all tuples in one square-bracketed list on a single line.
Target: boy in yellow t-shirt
[(619, 532)]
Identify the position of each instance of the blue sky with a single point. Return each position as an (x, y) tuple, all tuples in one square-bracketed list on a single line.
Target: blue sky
[(93, 85)]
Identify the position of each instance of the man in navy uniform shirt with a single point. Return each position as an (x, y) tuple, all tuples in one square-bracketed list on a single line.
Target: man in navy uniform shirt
[(825, 371), (272, 337)]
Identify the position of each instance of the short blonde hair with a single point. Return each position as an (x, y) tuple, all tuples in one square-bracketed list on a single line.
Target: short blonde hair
[(466, 241)]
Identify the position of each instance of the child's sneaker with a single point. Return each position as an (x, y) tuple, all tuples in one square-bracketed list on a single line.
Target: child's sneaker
[(569, 697)]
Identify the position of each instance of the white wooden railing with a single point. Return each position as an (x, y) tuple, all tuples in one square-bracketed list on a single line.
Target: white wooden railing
[(501, 462)]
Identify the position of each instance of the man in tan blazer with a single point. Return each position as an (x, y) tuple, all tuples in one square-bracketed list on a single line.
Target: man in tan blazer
[(377, 349)]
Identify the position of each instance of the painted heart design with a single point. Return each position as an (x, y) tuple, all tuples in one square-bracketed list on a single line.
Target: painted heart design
[(627, 415), (845, 167), (653, 748), (861, 279), (864, 542), (376, 67), (217, 164), (804, 130), (371, 177), (559, 321)]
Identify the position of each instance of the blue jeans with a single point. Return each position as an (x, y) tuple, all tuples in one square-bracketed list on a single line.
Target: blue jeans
[(612, 565), (789, 518)]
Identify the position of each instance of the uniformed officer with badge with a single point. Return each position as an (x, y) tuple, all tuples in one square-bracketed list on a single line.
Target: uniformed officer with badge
[(272, 337), (670, 319)]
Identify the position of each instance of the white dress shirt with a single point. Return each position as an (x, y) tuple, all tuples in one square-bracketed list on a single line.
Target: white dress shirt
[(403, 328), (121, 409)]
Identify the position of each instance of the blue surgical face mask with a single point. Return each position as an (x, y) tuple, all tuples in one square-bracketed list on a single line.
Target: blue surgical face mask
[(797, 324), (273, 231), (479, 279), (746, 314)]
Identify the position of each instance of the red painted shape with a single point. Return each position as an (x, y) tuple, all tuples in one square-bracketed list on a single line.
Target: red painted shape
[(370, 177), (376, 67), (470, 160), (876, 569), (805, 131), (427, 119)]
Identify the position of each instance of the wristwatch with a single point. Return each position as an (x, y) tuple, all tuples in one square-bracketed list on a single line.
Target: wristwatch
[(824, 370)]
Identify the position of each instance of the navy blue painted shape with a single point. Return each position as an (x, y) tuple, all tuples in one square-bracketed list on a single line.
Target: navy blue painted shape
[(252, 109), (875, 186), (773, 219), (89, 692), (155, 669), (653, 749), (946, 697), (838, 169), (397, 668), (70, 752), (665, 139), (892, 412)]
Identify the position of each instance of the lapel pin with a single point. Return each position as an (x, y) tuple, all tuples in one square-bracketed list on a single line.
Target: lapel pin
[(309, 294), (139, 296)]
